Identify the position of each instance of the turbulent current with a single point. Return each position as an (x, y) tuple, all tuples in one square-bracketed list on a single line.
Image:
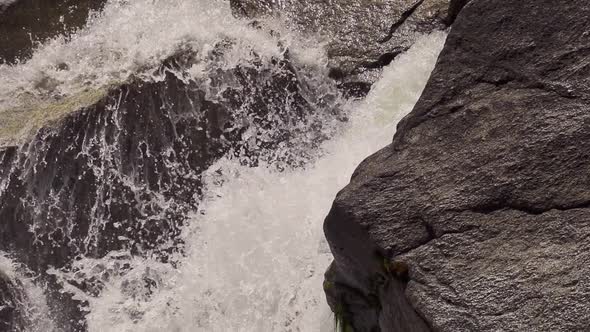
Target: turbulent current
[(253, 252)]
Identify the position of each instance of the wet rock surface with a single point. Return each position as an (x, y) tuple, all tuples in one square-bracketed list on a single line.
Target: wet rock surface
[(361, 36), (482, 198), (24, 23)]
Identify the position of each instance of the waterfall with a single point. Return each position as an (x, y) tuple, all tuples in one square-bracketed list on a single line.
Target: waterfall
[(253, 252), (256, 254)]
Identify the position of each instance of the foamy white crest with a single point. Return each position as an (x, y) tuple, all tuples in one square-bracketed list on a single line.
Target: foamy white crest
[(35, 308), (133, 38), (255, 258)]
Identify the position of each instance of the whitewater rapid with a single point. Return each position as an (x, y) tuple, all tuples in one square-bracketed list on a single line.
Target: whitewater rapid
[(255, 251), (133, 38), (31, 302)]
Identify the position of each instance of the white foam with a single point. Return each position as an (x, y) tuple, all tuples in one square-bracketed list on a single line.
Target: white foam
[(35, 308), (132, 38), (253, 259)]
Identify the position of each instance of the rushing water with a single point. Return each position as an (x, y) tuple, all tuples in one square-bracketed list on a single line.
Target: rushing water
[(30, 300), (255, 258), (134, 37), (255, 253), (5, 3)]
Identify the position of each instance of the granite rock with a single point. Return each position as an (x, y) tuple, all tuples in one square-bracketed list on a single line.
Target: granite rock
[(476, 217)]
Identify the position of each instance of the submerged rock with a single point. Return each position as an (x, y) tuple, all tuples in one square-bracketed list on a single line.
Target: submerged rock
[(483, 196), (362, 36), (24, 23)]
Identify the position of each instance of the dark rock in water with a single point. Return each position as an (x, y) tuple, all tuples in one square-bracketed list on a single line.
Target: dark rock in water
[(455, 8), (12, 304), (26, 22), (120, 169), (483, 195), (362, 36)]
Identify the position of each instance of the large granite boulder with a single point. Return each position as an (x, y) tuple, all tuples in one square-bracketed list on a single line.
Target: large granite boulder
[(476, 217), (24, 23), (361, 36)]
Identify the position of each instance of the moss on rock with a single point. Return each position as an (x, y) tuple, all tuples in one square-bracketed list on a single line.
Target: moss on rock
[(19, 122)]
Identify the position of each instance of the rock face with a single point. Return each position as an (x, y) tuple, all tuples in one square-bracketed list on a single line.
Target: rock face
[(476, 217), (25, 21), (362, 36)]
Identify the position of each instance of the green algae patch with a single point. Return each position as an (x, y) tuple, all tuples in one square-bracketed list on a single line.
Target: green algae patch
[(19, 123)]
